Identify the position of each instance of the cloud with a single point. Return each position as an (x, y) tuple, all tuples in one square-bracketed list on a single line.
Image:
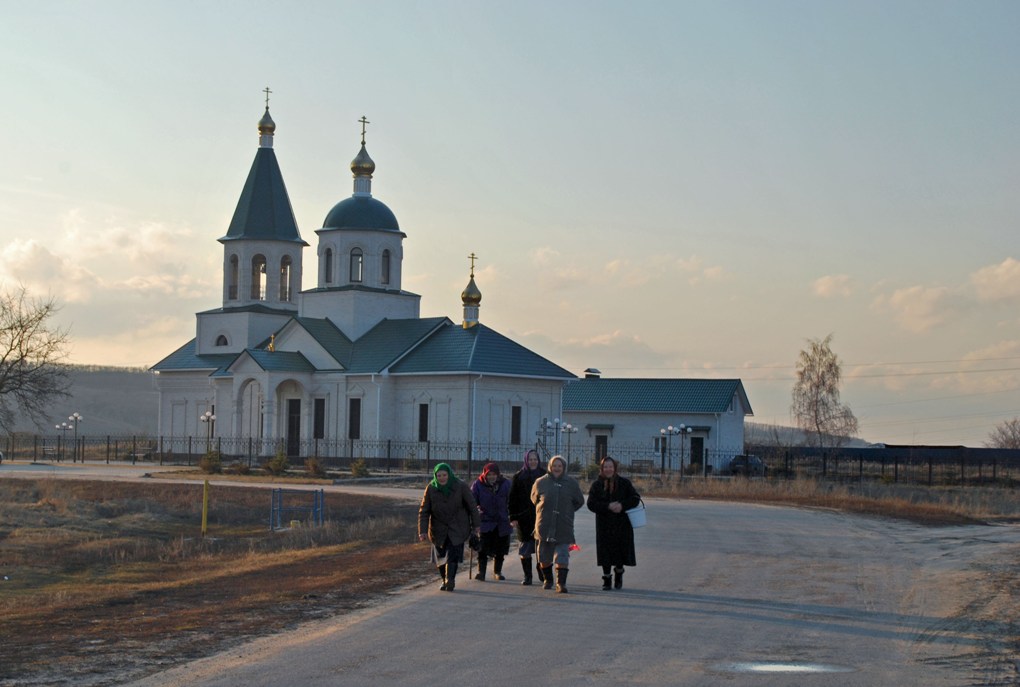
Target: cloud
[(917, 308), (832, 285), (41, 271), (997, 282)]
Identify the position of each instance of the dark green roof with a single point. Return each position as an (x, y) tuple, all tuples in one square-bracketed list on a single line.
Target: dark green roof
[(653, 395), (264, 211), (478, 350), (280, 361), (357, 287), (254, 307), (361, 212), (329, 336), (185, 358), (384, 343)]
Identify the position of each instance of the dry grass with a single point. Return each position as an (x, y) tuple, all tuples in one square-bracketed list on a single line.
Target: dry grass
[(924, 505), (109, 580)]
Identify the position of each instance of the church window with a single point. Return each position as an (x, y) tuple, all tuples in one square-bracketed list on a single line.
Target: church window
[(357, 264), (319, 419), (423, 422), (222, 341), (258, 278), (285, 272), (385, 267), (515, 425), (327, 267), (232, 278), (354, 418)]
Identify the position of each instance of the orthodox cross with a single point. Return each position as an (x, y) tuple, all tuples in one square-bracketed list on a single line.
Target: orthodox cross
[(267, 92), (473, 257), (363, 123)]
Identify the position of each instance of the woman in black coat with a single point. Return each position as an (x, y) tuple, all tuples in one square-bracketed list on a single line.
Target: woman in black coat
[(609, 498), (522, 511)]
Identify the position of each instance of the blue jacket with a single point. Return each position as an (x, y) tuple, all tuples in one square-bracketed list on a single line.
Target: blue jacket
[(493, 505)]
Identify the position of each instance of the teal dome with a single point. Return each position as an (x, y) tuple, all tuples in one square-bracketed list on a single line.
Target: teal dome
[(361, 212)]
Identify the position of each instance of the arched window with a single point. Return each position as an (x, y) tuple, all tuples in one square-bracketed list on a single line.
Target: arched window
[(385, 267), (327, 268), (232, 278), (221, 340), (357, 264), (285, 291), (258, 278)]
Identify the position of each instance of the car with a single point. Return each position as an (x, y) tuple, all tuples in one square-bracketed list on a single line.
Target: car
[(747, 466)]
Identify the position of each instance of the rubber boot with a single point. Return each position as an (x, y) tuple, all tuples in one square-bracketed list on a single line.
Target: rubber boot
[(547, 577), (482, 562), (497, 568), (451, 575), (442, 574), (618, 582), (561, 580), (526, 565), (607, 582)]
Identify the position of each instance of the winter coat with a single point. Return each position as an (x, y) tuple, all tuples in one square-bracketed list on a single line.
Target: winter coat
[(614, 536), (555, 501), (521, 508), (492, 502), (452, 515)]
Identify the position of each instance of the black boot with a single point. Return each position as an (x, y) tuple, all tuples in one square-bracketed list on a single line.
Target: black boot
[(546, 575), (482, 562), (561, 581), (618, 582), (526, 565), (497, 568), (607, 582), (442, 574), (451, 574)]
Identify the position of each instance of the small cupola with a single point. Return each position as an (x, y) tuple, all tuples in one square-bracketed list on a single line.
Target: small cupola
[(471, 297), (362, 166)]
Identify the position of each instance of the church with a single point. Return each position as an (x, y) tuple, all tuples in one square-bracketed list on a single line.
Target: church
[(309, 371)]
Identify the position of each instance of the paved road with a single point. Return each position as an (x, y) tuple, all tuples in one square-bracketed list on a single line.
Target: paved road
[(724, 593)]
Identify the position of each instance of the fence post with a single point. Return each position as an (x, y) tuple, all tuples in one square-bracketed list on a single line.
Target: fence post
[(470, 448), (896, 470), (860, 466), (389, 454), (929, 470), (107, 449)]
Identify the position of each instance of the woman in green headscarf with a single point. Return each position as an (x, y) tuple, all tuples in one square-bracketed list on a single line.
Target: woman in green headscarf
[(447, 516)]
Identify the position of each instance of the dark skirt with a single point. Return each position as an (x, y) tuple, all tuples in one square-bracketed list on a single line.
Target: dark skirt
[(454, 553), (493, 545)]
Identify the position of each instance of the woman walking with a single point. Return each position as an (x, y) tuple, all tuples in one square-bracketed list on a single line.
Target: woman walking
[(557, 496), (610, 497), (522, 511), (447, 516), (492, 493)]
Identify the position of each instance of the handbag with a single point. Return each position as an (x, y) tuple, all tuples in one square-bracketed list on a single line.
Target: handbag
[(637, 515)]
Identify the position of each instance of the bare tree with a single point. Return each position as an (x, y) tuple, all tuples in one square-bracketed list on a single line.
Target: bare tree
[(1005, 435), (816, 405), (32, 375)]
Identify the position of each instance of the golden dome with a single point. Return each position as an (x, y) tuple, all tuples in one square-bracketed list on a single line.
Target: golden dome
[(471, 296), (266, 125), (362, 165)]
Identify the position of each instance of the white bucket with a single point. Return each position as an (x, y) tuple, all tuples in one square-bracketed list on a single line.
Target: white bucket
[(637, 516)]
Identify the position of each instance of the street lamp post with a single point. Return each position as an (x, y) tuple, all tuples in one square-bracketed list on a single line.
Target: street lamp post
[(568, 429), (668, 433), (75, 418), (207, 418), (64, 428), (684, 431), (553, 428)]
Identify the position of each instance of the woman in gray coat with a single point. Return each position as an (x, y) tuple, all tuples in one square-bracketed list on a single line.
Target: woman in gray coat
[(557, 496), (447, 516)]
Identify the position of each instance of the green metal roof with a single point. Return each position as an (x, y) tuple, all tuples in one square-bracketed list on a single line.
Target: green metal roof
[(185, 358), (384, 343), (280, 361), (329, 336), (254, 307), (264, 212), (479, 350), (653, 395)]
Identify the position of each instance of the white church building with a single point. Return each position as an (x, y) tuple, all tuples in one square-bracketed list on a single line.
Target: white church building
[(351, 360)]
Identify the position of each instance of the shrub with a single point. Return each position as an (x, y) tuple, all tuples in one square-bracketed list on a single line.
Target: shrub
[(590, 471), (315, 468), (211, 463), (237, 468), (278, 464), (413, 464), (359, 468)]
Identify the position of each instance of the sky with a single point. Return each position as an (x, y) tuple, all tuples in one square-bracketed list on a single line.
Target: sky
[(654, 189)]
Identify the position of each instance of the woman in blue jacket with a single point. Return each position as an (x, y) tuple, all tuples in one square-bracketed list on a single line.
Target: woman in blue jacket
[(492, 494)]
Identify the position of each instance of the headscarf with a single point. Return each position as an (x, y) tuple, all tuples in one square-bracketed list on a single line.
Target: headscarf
[(538, 471), (445, 488), (562, 460), (609, 482), (489, 467)]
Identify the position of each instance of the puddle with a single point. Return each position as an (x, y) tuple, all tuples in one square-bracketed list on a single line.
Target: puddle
[(780, 667)]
